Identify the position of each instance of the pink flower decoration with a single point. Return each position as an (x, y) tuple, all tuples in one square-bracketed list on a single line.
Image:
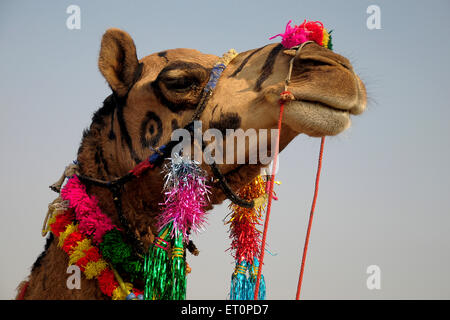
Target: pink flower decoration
[(292, 36), (92, 221), (307, 31)]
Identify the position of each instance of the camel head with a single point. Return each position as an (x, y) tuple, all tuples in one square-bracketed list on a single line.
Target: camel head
[(157, 94)]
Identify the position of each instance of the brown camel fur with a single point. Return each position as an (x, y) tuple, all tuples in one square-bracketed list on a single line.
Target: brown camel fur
[(157, 94)]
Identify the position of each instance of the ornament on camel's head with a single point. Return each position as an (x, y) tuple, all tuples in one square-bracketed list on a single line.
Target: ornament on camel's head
[(307, 31)]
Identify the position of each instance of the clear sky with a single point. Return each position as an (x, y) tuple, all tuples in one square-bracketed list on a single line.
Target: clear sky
[(384, 193)]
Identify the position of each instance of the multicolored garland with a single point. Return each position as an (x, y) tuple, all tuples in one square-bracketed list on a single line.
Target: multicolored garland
[(86, 256), (246, 242), (185, 198), (93, 223)]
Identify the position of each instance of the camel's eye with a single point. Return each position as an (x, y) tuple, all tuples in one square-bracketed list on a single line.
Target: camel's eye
[(179, 84), (182, 83)]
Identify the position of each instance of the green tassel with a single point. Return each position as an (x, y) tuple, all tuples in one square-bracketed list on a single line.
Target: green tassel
[(330, 41), (156, 267), (120, 254), (134, 269), (178, 269), (114, 249)]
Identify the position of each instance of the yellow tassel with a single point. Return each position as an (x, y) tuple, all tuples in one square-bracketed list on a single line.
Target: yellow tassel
[(94, 268), (117, 294), (79, 251), (120, 294), (255, 190), (326, 38), (227, 57), (261, 200), (69, 229), (124, 288)]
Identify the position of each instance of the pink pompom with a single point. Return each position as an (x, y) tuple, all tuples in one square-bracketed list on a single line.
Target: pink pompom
[(292, 36), (92, 221), (307, 31)]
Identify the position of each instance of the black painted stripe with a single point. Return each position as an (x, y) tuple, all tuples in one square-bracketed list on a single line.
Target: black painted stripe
[(148, 127), (124, 134), (267, 68), (214, 110), (229, 120), (163, 54), (112, 134), (245, 61), (102, 160), (175, 125)]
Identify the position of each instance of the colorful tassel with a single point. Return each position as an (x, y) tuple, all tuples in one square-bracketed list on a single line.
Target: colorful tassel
[(262, 285), (156, 267), (246, 240), (186, 196), (178, 270), (240, 284)]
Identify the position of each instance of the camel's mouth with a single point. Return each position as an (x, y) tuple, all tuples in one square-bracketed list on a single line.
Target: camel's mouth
[(324, 105), (321, 114), (316, 118)]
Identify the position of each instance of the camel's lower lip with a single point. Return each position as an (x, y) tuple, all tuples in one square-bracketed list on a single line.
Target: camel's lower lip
[(315, 118)]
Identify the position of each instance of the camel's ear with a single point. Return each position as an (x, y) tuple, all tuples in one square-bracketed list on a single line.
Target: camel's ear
[(118, 60)]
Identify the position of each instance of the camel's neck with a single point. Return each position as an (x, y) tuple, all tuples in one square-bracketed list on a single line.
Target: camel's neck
[(102, 156)]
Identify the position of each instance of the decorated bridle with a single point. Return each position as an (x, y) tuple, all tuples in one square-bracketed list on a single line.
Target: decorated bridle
[(186, 195)]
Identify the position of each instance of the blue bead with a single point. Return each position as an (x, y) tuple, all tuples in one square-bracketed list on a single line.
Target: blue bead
[(154, 157), (131, 296), (141, 297), (162, 148)]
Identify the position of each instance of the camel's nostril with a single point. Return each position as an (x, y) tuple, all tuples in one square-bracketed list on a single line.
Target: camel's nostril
[(310, 62), (319, 61), (345, 64)]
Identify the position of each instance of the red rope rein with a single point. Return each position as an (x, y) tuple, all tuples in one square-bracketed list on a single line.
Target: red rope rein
[(269, 206), (311, 215)]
